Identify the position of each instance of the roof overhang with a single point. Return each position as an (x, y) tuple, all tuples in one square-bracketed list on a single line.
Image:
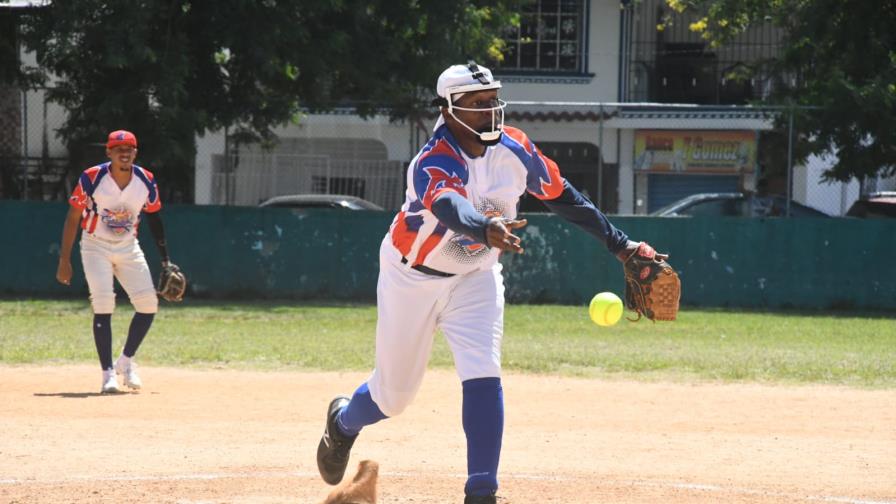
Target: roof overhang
[(723, 119), (646, 116)]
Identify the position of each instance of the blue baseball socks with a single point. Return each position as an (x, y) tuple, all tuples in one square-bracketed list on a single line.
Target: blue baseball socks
[(483, 418), (360, 412), (139, 327), (102, 337)]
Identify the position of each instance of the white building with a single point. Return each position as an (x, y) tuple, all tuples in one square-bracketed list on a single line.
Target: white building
[(572, 51), (571, 63)]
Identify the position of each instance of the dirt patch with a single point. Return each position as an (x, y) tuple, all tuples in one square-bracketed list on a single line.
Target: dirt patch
[(217, 436)]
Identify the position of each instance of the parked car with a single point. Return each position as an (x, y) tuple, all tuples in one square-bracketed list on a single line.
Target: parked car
[(874, 206), (736, 204), (339, 201)]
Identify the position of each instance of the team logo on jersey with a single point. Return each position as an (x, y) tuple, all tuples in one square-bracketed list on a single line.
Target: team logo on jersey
[(118, 221), (440, 179), (466, 243)]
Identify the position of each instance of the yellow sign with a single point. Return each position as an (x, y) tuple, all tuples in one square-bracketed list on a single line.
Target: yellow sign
[(695, 151)]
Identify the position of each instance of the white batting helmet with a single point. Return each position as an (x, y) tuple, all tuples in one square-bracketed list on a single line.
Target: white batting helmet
[(457, 80)]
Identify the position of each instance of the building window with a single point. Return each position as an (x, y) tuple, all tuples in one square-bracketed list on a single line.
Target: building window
[(675, 65), (550, 38)]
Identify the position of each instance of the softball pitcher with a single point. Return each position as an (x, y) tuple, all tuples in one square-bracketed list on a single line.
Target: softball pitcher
[(439, 269), (107, 203)]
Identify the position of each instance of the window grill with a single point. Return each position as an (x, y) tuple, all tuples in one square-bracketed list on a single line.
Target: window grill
[(550, 38), (675, 64)]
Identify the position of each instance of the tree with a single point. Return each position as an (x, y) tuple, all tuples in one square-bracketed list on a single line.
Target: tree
[(169, 69), (839, 58)]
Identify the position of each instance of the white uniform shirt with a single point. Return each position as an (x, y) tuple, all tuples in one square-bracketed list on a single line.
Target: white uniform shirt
[(110, 212), (493, 183)]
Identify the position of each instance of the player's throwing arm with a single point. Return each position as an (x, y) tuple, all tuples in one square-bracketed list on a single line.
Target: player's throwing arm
[(499, 234)]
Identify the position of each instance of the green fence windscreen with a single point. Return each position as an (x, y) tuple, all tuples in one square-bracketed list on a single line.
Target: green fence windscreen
[(249, 253)]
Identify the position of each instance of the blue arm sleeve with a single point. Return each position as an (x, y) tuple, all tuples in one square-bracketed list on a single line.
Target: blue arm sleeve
[(576, 208), (456, 212)]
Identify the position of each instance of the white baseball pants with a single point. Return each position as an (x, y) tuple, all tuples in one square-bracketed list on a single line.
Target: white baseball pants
[(469, 309), (103, 261)]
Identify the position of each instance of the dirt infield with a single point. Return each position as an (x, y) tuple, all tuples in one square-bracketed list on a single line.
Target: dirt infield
[(218, 436)]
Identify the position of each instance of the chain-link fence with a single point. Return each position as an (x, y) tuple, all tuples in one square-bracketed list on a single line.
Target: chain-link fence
[(629, 158), (337, 154), (250, 179), (33, 160), (679, 159)]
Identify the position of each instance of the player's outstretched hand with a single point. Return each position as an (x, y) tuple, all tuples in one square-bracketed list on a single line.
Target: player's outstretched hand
[(631, 247), (64, 272), (499, 236)]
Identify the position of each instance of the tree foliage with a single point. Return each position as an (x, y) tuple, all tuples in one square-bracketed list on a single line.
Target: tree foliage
[(8, 57), (169, 70), (839, 57)]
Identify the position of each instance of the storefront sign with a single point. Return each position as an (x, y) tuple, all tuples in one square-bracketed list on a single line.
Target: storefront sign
[(695, 151)]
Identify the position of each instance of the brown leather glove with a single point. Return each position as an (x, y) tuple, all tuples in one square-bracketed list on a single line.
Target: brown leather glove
[(172, 282), (652, 287)]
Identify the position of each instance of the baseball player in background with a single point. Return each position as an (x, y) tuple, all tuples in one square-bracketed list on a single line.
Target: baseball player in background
[(107, 202), (439, 269)]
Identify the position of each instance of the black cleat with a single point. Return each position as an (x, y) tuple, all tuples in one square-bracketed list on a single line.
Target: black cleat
[(480, 499), (334, 447)]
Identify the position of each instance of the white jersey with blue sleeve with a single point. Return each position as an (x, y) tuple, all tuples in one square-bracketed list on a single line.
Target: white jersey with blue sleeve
[(493, 183), (109, 212)]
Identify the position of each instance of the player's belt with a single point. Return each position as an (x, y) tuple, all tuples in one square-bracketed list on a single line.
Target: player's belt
[(106, 240), (425, 269)]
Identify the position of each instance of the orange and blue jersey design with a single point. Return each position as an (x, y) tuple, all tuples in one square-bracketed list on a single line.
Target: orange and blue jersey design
[(108, 211), (543, 178), (493, 183)]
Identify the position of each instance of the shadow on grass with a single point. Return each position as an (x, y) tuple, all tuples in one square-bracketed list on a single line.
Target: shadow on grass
[(77, 395), (224, 304)]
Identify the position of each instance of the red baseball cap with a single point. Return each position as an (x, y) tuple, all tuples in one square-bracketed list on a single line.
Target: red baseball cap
[(121, 137)]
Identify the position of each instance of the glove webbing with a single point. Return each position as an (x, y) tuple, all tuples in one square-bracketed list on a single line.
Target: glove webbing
[(639, 300)]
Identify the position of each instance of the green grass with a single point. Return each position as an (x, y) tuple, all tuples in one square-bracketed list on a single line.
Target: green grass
[(857, 349)]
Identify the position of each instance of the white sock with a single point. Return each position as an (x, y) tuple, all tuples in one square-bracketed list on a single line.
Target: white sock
[(124, 361), (107, 373)]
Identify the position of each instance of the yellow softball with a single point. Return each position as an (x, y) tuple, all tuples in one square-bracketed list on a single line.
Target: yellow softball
[(605, 309)]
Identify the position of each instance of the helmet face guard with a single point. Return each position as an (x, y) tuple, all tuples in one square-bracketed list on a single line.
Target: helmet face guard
[(482, 81), (491, 136)]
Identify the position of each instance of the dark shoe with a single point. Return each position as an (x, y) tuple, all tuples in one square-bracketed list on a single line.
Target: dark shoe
[(334, 447), (480, 499)]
